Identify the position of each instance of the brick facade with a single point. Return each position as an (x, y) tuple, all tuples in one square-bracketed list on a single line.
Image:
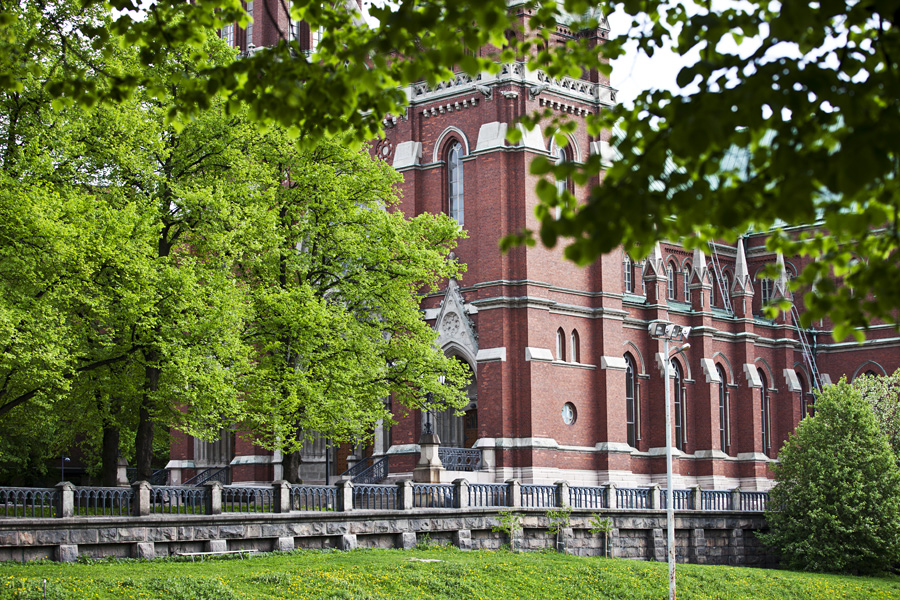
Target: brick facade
[(515, 304)]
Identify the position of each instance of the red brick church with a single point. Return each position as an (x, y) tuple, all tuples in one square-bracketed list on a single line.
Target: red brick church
[(567, 382)]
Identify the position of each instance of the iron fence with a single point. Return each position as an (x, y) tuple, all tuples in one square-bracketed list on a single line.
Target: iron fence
[(375, 497), (236, 498), (587, 497), (29, 502), (183, 500), (634, 498), (314, 497), (96, 501), (460, 459), (434, 495), (488, 494), (538, 496), (681, 499), (715, 500)]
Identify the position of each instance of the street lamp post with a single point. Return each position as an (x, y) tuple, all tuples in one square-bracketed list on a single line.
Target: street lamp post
[(669, 332)]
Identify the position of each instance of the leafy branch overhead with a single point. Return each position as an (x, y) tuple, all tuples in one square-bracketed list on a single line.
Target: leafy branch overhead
[(791, 118)]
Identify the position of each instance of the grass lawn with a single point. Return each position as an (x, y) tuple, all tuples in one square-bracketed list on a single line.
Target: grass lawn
[(410, 575)]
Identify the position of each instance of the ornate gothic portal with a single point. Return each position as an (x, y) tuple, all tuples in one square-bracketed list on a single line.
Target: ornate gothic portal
[(457, 338)]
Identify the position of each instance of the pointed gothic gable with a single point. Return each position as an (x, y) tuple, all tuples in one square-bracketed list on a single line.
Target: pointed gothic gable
[(455, 330), (781, 284), (699, 270), (741, 286), (655, 263)]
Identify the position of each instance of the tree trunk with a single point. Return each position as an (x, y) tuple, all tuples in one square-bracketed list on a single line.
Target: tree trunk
[(291, 467), (144, 439), (109, 456)]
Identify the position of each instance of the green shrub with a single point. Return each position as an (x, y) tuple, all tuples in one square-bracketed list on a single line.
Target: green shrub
[(835, 506)]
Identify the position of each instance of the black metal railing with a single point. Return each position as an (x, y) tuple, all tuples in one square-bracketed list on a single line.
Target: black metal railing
[(102, 501), (220, 474), (185, 500), (538, 496), (488, 494), (376, 473), (238, 498), (434, 495), (460, 459), (376, 497), (587, 497), (28, 502), (314, 497)]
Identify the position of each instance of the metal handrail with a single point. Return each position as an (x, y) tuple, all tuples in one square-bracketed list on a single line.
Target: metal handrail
[(213, 473)]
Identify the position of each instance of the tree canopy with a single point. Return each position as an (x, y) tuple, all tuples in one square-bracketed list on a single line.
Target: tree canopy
[(792, 119), (198, 275)]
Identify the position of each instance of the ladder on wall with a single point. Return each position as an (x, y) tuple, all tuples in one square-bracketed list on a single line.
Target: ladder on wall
[(807, 351), (720, 280)]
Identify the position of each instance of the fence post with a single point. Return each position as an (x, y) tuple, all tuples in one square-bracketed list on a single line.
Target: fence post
[(461, 492), (346, 490), (562, 494), (655, 499), (141, 502), (405, 492), (281, 496), (697, 498), (514, 489), (611, 495), (66, 507), (213, 497), (736, 499)]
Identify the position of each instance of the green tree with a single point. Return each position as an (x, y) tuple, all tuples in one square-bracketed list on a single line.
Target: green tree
[(335, 289), (835, 505), (883, 393), (199, 275)]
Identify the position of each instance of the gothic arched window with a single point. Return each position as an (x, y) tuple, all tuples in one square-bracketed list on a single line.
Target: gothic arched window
[(724, 411), (764, 413), (631, 405), (670, 280), (628, 273), (560, 344), (455, 183), (687, 282), (680, 407), (574, 347)]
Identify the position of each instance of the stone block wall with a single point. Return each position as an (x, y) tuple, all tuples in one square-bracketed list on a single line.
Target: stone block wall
[(703, 538)]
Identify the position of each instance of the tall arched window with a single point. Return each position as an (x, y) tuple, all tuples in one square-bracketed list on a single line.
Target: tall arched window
[(712, 293), (643, 282), (631, 406), (628, 272), (765, 287), (764, 413), (687, 282), (679, 408), (724, 411), (560, 344), (670, 280), (249, 30), (802, 381), (575, 351), (561, 184), (455, 182)]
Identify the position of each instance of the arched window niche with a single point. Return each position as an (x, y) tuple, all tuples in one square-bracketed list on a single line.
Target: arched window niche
[(455, 187), (574, 347), (632, 406), (724, 411), (560, 345)]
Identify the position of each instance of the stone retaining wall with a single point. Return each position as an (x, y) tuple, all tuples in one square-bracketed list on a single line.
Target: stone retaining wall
[(701, 537)]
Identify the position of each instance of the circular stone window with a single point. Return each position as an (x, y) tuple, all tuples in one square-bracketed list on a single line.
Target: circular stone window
[(568, 413)]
